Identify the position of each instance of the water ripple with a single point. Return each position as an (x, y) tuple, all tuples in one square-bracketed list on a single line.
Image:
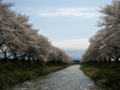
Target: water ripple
[(71, 78)]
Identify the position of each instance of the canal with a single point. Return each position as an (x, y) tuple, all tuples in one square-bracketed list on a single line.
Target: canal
[(70, 78)]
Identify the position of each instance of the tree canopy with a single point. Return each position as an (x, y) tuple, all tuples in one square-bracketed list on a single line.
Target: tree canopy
[(19, 40), (105, 44)]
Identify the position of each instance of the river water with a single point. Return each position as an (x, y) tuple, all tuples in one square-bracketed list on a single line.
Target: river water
[(70, 78)]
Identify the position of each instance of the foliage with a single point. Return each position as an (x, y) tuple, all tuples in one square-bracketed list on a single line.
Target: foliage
[(105, 44), (104, 74), (12, 73), (19, 40)]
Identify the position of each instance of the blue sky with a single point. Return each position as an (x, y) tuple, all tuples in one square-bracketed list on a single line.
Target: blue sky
[(67, 23)]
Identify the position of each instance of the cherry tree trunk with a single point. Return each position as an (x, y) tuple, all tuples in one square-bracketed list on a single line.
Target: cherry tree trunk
[(105, 60), (23, 60), (5, 58), (109, 60), (38, 60), (29, 59), (33, 58), (15, 59), (100, 61), (117, 60)]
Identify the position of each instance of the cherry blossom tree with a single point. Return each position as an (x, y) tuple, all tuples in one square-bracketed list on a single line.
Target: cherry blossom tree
[(19, 40), (106, 41)]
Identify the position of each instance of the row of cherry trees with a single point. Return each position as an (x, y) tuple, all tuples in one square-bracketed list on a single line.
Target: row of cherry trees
[(19, 40), (105, 44)]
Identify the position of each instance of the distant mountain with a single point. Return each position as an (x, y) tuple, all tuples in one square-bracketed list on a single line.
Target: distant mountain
[(76, 59)]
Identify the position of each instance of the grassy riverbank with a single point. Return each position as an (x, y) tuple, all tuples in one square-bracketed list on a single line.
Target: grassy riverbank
[(104, 74), (13, 73)]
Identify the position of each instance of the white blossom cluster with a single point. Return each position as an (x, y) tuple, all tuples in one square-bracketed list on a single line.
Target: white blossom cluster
[(19, 40), (105, 44)]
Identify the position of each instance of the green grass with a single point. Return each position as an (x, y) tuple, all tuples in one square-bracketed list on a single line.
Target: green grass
[(104, 74), (13, 73)]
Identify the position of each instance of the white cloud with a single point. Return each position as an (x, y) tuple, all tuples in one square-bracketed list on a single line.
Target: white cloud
[(74, 9), (69, 14), (75, 48), (74, 53), (64, 12), (43, 32), (73, 44), (28, 14)]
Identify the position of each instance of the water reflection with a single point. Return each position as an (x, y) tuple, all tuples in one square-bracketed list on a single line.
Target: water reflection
[(71, 78)]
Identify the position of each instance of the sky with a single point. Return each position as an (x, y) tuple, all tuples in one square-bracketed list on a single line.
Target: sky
[(68, 24)]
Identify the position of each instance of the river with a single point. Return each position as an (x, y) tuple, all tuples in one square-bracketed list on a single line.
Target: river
[(70, 78)]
